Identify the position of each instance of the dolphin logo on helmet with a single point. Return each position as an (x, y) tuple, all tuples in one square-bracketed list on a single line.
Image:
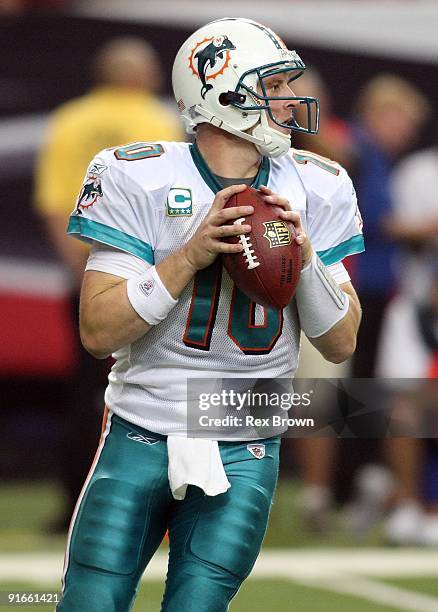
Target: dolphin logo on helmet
[(207, 57)]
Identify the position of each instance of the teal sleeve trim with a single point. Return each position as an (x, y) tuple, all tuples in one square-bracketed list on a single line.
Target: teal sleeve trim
[(353, 245), (93, 230)]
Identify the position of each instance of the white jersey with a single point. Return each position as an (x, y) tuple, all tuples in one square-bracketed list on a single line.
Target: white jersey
[(148, 200), (415, 179)]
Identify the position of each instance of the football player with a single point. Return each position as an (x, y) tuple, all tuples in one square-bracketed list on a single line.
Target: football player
[(156, 297)]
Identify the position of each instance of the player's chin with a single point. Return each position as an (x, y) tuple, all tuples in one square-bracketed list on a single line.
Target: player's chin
[(276, 126), (281, 129)]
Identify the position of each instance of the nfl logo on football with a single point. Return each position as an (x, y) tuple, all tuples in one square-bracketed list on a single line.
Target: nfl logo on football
[(278, 233)]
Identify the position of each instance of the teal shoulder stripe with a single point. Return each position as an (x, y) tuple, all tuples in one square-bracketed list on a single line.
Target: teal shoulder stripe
[(353, 245), (93, 230)]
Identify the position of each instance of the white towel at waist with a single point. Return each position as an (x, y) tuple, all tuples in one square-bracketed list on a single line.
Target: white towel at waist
[(194, 461)]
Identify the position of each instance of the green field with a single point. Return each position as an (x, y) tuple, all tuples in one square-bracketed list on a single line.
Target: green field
[(255, 596), (296, 572)]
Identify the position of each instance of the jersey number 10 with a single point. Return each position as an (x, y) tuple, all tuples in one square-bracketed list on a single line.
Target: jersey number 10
[(251, 339)]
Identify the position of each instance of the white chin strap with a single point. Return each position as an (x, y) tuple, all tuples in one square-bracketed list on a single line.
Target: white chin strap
[(268, 142)]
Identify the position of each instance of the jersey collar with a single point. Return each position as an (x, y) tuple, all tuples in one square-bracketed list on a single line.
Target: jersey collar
[(261, 178)]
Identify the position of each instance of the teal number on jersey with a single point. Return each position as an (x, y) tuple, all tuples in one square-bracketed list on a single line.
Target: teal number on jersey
[(203, 307), (302, 157), (139, 150), (252, 339)]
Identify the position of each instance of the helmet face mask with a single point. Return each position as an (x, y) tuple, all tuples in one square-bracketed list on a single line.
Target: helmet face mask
[(219, 77), (262, 100)]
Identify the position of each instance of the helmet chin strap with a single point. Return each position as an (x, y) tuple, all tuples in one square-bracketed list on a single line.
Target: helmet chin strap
[(268, 142)]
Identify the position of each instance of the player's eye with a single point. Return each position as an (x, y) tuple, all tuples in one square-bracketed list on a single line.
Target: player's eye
[(275, 86)]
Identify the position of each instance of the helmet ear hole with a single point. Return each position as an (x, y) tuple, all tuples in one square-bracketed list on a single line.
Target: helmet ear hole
[(224, 99), (228, 97)]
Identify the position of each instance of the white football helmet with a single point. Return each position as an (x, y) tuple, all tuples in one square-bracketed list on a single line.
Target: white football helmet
[(216, 75)]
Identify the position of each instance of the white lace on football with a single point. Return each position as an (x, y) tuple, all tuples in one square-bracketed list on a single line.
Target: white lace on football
[(248, 252)]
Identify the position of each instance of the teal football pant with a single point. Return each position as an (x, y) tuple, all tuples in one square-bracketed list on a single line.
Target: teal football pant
[(126, 507)]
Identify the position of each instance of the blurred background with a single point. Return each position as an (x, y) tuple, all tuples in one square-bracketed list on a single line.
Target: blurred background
[(355, 522)]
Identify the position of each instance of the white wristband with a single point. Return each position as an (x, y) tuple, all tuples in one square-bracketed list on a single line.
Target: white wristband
[(149, 297), (320, 301)]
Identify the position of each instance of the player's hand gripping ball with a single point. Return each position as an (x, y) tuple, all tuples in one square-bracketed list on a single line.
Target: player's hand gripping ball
[(268, 269)]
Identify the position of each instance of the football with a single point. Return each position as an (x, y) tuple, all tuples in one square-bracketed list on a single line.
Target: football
[(268, 269)]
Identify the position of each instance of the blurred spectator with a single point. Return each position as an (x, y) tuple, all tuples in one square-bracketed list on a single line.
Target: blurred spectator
[(122, 107), (390, 112), (409, 344)]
